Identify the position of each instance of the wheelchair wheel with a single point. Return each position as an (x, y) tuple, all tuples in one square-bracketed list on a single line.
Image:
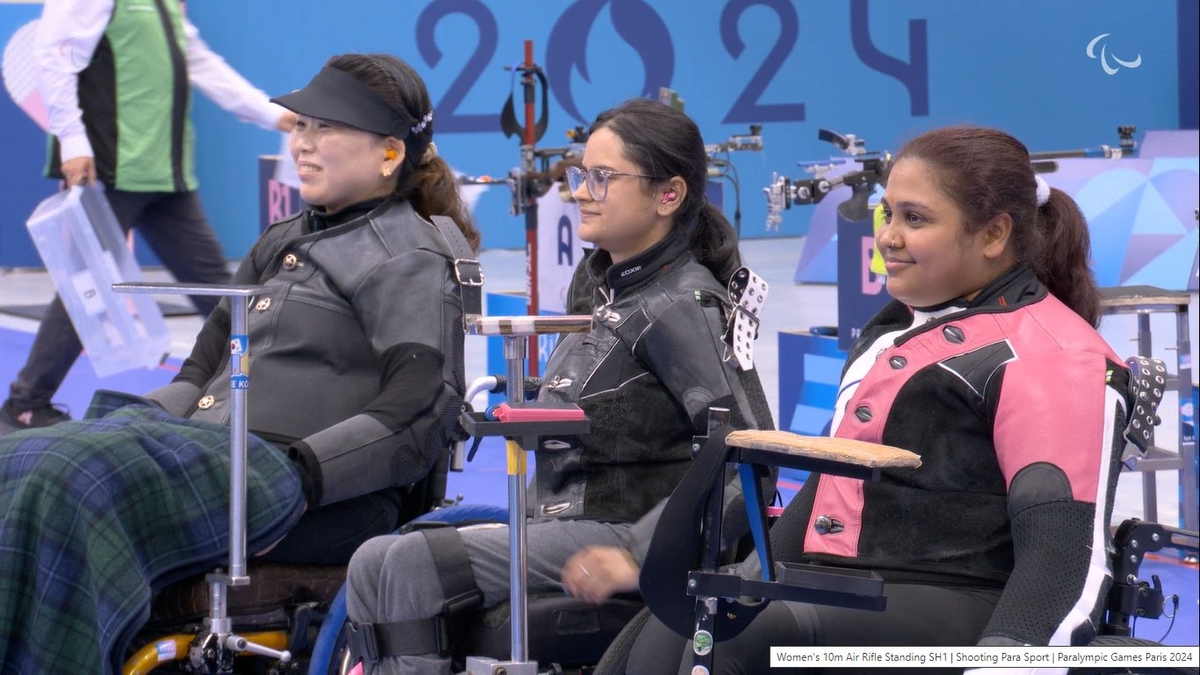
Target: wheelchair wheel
[(1122, 641), (617, 654), (330, 655)]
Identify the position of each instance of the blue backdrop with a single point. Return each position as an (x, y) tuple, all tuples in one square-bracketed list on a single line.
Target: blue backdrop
[(880, 70)]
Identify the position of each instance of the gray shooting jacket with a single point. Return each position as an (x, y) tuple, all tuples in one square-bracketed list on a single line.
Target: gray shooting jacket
[(356, 353)]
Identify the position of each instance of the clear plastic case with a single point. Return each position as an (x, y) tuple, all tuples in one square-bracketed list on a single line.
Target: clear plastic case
[(85, 252)]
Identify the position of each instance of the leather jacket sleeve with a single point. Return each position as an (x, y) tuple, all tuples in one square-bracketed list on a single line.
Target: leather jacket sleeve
[(1056, 447), (681, 345)]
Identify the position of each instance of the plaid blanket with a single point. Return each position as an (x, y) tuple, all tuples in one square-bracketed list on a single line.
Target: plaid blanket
[(100, 513)]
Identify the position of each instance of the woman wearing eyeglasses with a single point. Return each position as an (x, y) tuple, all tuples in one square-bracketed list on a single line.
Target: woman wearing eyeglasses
[(646, 375)]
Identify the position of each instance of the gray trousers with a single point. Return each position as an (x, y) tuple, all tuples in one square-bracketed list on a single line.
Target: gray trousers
[(394, 577)]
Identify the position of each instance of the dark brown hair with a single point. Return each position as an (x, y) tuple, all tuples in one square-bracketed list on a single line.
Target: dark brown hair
[(427, 182), (987, 172)]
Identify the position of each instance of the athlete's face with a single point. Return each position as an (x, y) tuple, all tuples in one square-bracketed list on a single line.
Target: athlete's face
[(340, 165), (930, 255), (631, 217)]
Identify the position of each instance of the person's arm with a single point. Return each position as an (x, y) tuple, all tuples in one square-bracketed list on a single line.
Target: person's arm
[(1056, 430), (683, 347), (597, 573), (67, 35), (228, 89)]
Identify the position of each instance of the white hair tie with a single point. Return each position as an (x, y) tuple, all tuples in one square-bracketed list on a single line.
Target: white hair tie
[(1043, 190)]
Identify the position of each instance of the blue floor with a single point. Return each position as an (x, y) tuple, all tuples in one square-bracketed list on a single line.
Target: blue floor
[(484, 481), (76, 391)]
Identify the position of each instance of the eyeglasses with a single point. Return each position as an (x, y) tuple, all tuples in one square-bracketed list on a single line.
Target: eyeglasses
[(597, 180)]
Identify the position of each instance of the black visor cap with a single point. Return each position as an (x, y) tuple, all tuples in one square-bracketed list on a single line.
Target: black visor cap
[(337, 96)]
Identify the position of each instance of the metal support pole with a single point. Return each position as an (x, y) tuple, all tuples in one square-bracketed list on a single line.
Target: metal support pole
[(239, 382), (218, 622), (516, 332), (514, 353)]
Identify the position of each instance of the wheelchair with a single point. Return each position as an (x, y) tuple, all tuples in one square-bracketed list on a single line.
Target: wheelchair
[(206, 612), (713, 595), (292, 617), (288, 607), (301, 609)]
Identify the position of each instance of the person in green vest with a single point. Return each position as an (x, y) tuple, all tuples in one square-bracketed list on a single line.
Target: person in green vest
[(116, 77)]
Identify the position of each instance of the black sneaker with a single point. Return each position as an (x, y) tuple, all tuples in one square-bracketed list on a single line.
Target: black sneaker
[(31, 418)]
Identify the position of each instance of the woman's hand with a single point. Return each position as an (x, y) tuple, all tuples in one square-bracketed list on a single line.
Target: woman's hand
[(597, 573), (286, 121), (78, 171)]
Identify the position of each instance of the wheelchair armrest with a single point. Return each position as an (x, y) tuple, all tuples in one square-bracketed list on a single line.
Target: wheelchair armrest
[(1135, 538), (837, 456), (687, 538)]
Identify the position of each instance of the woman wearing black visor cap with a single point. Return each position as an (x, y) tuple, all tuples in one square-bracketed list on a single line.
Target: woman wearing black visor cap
[(364, 329), (356, 353)]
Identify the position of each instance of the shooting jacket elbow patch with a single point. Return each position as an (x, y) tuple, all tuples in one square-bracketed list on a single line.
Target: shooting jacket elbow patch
[(1035, 484)]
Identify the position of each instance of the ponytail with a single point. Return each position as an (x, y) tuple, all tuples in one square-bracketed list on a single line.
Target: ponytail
[(433, 190), (1061, 256), (714, 243)]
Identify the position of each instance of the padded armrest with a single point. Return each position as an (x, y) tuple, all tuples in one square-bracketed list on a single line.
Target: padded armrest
[(841, 450)]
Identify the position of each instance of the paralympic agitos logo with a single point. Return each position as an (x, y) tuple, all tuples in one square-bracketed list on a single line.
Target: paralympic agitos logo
[(1104, 56)]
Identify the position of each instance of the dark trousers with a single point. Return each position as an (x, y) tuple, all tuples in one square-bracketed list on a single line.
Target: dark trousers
[(329, 535), (174, 226), (915, 615)]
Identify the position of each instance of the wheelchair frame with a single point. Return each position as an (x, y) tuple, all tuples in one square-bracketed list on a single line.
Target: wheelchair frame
[(716, 592)]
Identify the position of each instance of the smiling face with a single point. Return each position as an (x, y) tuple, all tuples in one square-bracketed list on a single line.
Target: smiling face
[(632, 217), (339, 165), (930, 254)]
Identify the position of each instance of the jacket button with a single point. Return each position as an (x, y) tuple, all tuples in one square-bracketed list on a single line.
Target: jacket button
[(954, 334), (206, 402), (897, 362), (863, 413), (290, 261), (263, 304), (826, 525)]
